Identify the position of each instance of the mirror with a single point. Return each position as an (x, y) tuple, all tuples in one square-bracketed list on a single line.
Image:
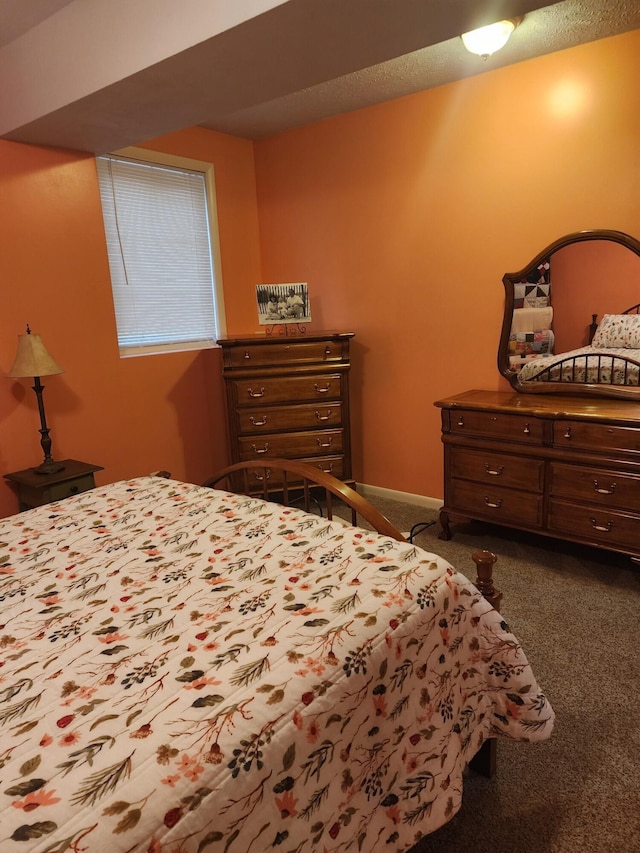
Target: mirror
[(554, 336)]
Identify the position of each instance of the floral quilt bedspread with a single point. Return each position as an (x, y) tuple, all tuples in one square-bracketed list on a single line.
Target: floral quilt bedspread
[(593, 365), (183, 669)]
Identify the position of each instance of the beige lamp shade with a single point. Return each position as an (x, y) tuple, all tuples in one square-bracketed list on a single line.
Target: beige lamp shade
[(32, 359)]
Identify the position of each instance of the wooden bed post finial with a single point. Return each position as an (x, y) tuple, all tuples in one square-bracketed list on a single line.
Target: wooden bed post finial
[(484, 561)]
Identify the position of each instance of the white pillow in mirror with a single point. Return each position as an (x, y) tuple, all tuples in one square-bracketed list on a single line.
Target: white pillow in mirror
[(618, 330)]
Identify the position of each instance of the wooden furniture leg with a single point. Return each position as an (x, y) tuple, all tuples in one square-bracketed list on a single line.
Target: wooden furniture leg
[(485, 759), (445, 532), (484, 561)]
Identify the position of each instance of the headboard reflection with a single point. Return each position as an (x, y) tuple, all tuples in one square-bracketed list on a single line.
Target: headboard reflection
[(571, 321)]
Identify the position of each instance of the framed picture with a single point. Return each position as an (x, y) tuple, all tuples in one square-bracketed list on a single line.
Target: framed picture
[(283, 303)]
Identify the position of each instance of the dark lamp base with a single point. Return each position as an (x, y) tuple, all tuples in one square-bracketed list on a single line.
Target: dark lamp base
[(49, 466)]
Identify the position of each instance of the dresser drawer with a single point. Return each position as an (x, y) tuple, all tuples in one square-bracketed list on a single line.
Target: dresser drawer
[(577, 465), (280, 418), (503, 506), (330, 465), (497, 425), (257, 355), (584, 435), (596, 486), (288, 397), (30, 497), (601, 526), (291, 445), (283, 389), (75, 487), (515, 472)]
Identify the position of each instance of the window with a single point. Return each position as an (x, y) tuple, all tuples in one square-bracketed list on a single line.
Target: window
[(159, 216)]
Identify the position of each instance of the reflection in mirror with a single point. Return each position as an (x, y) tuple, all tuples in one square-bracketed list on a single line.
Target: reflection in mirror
[(555, 304), (597, 277)]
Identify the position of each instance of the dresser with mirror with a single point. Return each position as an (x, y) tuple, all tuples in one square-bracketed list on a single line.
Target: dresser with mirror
[(558, 454)]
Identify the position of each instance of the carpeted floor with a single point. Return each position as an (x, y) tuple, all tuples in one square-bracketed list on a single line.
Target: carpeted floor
[(576, 612)]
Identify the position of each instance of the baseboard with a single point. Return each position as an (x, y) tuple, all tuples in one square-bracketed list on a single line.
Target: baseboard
[(393, 495)]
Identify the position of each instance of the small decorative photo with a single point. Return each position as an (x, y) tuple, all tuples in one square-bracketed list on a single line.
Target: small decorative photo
[(283, 303)]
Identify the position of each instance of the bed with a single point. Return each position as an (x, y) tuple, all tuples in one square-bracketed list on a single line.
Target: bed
[(612, 357), (185, 668), (585, 365)]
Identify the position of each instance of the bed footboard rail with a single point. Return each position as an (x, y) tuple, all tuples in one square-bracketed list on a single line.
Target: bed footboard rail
[(285, 481), (591, 368)]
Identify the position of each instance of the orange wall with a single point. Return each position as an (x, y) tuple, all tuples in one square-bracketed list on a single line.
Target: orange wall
[(134, 415), (403, 218), (595, 277)]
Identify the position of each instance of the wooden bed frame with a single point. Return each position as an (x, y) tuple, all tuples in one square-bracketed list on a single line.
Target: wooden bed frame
[(284, 481), (575, 362)]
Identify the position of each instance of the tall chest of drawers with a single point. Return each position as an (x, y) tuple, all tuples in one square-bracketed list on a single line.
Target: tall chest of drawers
[(565, 466), (289, 398)]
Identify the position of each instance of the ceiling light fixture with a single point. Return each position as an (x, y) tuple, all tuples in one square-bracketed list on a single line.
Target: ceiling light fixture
[(487, 40)]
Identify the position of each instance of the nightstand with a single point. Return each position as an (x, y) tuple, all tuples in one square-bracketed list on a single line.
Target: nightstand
[(37, 489)]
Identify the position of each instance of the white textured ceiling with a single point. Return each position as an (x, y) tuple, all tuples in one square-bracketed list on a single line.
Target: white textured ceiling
[(267, 66), (542, 30)]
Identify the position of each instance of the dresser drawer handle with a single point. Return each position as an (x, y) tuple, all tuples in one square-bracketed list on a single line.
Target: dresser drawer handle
[(604, 491), (495, 472), (527, 429), (601, 528), (493, 504), (322, 390), (326, 470), (323, 417), (254, 422), (253, 393), (460, 420), (246, 354), (327, 351), (74, 490), (264, 477), (263, 449), (327, 443), (567, 433)]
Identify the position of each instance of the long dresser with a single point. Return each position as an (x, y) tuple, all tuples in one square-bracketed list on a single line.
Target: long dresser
[(288, 397), (565, 466)]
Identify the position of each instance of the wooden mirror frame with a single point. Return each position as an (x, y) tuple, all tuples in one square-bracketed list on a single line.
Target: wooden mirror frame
[(511, 279)]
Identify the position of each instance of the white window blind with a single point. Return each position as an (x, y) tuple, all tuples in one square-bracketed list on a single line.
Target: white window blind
[(160, 255)]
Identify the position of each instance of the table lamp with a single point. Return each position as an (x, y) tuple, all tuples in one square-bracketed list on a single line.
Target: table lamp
[(33, 360)]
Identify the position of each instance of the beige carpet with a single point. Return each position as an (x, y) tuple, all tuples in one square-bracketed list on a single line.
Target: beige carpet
[(576, 612)]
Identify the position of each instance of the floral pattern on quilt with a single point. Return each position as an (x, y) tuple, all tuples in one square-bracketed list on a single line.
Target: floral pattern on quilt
[(618, 330), (587, 364), (183, 669)]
